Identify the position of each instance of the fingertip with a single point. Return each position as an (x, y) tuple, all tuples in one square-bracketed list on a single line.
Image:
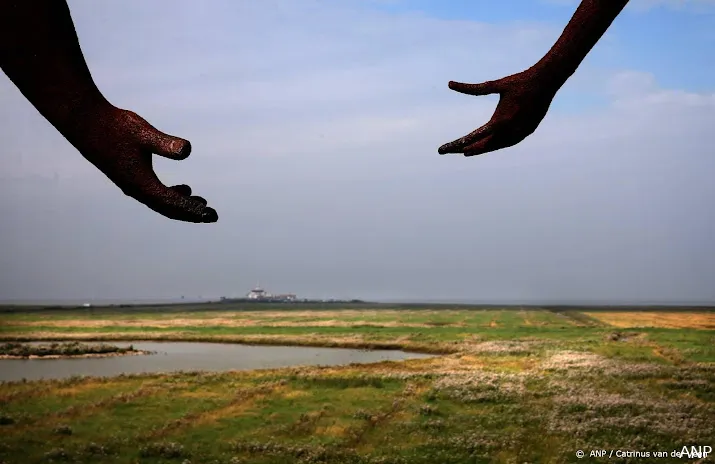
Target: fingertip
[(209, 215), (184, 150), (455, 146), (176, 149), (458, 86)]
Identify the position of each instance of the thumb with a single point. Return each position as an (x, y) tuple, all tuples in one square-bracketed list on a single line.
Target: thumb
[(484, 88), (154, 140), (170, 147), (165, 145)]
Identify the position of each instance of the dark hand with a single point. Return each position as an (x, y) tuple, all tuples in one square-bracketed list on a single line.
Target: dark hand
[(524, 100), (120, 143)]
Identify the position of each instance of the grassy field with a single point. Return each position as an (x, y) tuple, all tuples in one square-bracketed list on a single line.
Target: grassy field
[(510, 386)]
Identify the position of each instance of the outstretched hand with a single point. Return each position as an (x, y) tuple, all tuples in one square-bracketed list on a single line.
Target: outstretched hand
[(120, 143), (524, 100)]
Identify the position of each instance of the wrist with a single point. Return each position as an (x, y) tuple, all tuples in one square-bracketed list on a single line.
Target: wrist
[(89, 105), (80, 118), (551, 73)]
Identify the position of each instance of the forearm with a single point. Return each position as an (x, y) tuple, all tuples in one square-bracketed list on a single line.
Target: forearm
[(40, 53), (591, 20)]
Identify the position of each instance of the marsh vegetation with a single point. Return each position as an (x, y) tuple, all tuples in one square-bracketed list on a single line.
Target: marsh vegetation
[(511, 386), (15, 350)]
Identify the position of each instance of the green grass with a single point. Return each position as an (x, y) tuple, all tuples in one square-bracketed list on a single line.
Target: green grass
[(514, 385)]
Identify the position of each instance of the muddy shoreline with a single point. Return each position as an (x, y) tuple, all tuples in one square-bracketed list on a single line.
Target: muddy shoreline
[(75, 356)]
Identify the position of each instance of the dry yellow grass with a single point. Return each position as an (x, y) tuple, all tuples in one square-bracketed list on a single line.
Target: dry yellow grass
[(200, 394), (333, 430), (295, 394), (669, 320), (226, 322), (73, 390), (232, 410), (89, 336)]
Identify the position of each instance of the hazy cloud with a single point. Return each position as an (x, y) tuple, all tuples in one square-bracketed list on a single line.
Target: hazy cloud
[(315, 127)]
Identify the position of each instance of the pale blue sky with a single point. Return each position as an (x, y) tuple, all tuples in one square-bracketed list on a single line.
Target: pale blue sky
[(315, 126)]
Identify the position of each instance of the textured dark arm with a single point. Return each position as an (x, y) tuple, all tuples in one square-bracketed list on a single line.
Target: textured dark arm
[(525, 97), (40, 53), (591, 20)]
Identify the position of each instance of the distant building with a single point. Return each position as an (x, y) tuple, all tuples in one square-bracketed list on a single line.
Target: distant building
[(258, 294)]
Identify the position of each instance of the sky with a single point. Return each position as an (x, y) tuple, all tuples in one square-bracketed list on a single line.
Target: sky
[(315, 126)]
